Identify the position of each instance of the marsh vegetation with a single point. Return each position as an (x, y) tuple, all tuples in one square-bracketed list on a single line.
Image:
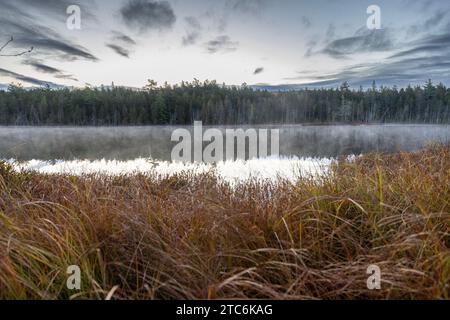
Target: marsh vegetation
[(193, 236)]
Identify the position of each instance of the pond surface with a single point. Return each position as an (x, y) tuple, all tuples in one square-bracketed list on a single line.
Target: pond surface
[(129, 143)]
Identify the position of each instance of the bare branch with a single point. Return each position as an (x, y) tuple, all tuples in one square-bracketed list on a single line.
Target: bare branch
[(18, 54), (6, 44), (14, 54)]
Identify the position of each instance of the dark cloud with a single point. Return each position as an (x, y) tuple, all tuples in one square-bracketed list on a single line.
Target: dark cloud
[(432, 23), (120, 37), (258, 70), (191, 38), (42, 67), (400, 72), (236, 7), (363, 41), (66, 77), (429, 45), (246, 6), (306, 22), (420, 5), (410, 62), (11, 11), (193, 31), (26, 79), (428, 57), (310, 47), (39, 66), (17, 19), (417, 50), (57, 8), (193, 23), (218, 19), (45, 41), (221, 44), (435, 20), (121, 44), (146, 15), (119, 50)]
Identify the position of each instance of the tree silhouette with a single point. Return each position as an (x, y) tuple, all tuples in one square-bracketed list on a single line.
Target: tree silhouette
[(14, 54), (223, 105)]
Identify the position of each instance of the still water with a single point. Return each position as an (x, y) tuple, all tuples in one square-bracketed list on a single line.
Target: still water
[(304, 150), (129, 143)]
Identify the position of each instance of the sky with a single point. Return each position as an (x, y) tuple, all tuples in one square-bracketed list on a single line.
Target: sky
[(282, 43)]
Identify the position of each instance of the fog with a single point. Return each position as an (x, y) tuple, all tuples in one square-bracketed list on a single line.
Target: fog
[(129, 143)]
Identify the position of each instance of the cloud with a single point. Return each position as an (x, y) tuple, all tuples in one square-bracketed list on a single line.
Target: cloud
[(193, 23), (66, 77), (120, 37), (258, 70), (45, 41), (29, 80), (119, 44), (437, 44), (331, 31), (193, 31), (146, 15), (433, 22), (41, 67), (191, 38), (413, 62), (310, 47), (233, 8), (221, 44), (246, 6), (363, 41), (119, 50), (57, 8), (421, 5), (400, 72), (384, 40), (218, 19), (306, 22)]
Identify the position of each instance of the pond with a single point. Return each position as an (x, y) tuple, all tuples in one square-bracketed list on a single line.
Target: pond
[(304, 150), (129, 143)]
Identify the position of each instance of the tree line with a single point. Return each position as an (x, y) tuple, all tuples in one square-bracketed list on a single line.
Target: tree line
[(216, 104)]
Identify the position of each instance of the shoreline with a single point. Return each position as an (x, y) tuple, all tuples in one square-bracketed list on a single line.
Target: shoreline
[(195, 237)]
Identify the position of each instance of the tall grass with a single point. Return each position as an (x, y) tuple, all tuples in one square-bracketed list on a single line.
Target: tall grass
[(195, 237)]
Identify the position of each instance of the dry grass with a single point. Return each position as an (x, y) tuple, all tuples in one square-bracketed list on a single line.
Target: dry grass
[(191, 237)]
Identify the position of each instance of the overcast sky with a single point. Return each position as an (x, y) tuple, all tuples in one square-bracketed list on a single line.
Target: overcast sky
[(321, 42)]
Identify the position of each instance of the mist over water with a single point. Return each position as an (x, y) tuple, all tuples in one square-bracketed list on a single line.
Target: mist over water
[(129, 143)]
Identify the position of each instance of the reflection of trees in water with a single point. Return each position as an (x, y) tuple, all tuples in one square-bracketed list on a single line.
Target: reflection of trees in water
[(85, 143), (125, 143), (344, 140)]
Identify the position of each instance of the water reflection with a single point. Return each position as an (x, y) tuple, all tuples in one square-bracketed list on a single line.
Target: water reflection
[(127, 143)]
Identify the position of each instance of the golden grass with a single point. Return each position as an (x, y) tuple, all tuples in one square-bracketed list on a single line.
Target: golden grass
[(194, 237)]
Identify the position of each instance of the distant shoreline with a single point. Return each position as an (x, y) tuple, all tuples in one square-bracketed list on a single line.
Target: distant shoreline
[(234, 125)]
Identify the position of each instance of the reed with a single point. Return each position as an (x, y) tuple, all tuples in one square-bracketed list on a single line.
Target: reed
[(196, 237)]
